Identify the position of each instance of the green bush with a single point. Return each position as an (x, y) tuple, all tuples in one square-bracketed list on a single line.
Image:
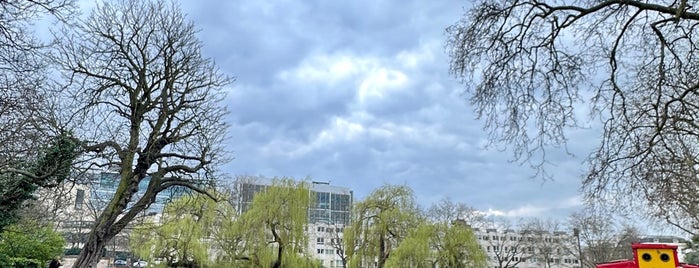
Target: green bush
[(29, 244), (21, 262)]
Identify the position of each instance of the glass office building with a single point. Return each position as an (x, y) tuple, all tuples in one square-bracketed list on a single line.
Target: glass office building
[(103, 185), (332, 204)]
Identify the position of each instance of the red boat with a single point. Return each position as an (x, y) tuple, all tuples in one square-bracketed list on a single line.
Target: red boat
[(646, 255)]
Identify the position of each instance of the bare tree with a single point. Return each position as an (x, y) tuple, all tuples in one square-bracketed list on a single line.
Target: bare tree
[(34, 148), (507, 247), (548, 242), (147, 104), (333, 235), (529, 66), (24, 114), (448, 211), (603, 239)]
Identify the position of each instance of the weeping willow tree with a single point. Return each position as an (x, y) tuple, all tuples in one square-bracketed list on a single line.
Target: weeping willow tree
[(379, 225), (439, 245), (274, 226), (182, 236)]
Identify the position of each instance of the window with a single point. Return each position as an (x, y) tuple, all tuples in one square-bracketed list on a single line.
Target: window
[(321, 229), (340, 217), (320, 251), (323, 200), (320, 241), (340, 202), (79, 199)]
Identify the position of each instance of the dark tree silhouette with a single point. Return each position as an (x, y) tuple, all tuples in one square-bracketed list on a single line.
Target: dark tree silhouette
[(532, 67)]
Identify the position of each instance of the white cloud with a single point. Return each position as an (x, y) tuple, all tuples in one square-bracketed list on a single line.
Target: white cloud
[(528, 210), (327, 69), (378, 83)]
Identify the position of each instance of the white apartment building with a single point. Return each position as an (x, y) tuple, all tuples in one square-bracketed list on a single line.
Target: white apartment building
[(507, 248)]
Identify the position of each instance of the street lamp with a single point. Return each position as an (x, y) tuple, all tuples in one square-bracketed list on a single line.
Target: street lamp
[(576, 233)]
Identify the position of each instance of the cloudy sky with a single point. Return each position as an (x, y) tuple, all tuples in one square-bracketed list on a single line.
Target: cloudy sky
[(358, 93)]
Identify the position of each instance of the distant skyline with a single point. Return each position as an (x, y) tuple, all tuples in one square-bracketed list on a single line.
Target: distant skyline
[(358, 93)]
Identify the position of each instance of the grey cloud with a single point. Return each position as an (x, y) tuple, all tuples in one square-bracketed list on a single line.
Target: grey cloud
[(291, 115)]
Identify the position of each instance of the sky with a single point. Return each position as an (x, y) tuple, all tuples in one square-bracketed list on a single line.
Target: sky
[(358, 93)]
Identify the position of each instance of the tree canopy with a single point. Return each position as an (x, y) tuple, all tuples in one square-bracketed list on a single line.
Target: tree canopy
[(180, 237), (274, 226), (533, 69), (388, 228), (146, 103)]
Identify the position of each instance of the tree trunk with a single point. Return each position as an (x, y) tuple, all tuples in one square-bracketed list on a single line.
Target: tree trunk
[(382, 251), (90, 253), (107, 226), (280, 249)]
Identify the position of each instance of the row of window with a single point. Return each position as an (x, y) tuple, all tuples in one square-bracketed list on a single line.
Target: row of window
[(524, 249), (321, 229), (333, 241), (327, 251), (516, 238), (541, 260)]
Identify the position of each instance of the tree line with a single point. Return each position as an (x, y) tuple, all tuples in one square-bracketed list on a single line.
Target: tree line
[(387, 228)]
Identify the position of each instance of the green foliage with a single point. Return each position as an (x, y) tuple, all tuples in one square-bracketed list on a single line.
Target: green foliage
[(379, 223), (415, 250), (179, 239), (457, 246), (28, 243), (692, 257), (55, 161), (271, 232), (440, 244), (274, 226), (49, 169), (389, 228), (693, 247)]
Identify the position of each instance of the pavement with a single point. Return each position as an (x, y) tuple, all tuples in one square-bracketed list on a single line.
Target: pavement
[(68, 262)]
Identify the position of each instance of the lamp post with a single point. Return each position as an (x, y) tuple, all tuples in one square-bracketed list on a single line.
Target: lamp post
[(576, 233)]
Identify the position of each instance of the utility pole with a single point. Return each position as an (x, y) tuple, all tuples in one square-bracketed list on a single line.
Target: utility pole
[(576, 233)]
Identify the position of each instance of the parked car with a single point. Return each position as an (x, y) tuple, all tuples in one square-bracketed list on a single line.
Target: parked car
[(120, 263), (140, 264)]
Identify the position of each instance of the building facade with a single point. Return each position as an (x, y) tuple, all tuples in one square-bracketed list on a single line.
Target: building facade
[(508, 248), (80, 204)]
